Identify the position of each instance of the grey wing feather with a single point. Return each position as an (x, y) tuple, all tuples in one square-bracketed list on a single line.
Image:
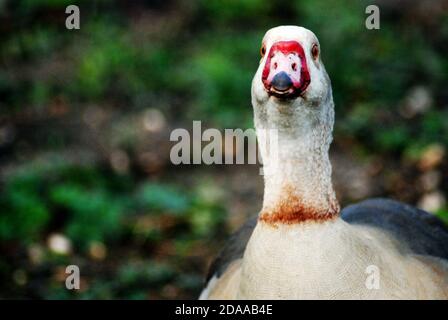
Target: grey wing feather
[(234, 248), (424, 233)]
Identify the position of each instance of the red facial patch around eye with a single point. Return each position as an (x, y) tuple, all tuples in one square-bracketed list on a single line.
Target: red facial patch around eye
[(286, 48)]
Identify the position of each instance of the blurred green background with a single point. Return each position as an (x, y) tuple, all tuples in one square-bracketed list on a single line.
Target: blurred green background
[(85, 118)]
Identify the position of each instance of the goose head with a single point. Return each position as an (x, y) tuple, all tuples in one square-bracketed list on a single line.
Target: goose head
[(291, 86)]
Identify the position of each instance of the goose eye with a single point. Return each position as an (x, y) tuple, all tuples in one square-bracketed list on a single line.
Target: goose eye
[(263, 50), (315, 51)]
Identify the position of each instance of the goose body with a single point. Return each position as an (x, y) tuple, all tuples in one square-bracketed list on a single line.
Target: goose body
[(301, 246)]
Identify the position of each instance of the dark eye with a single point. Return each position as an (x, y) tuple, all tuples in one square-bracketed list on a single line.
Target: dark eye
[(315, 51), (263, 50)]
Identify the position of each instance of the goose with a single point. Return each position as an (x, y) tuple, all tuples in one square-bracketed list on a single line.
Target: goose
[(301, 245)]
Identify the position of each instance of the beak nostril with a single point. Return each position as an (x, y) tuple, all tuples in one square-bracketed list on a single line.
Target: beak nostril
[(294, 66), (275, 65)]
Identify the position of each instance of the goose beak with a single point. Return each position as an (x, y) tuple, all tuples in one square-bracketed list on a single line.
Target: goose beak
[(281, 82), (285, 74)]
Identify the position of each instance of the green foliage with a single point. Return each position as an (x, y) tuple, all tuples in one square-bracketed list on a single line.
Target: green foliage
[(222, 77), (28, 6), (102, 62), (24, 213), (95, 215), (234, 11), (443, 214), (94, 204), (151, 273), (394, 138), (163, 199), (32, 43), (93, 210)]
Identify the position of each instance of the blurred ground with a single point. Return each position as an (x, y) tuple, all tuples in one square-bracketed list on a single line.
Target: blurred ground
[(85, 118)]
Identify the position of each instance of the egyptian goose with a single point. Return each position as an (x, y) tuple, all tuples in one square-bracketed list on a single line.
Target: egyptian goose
[(301, 246)]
